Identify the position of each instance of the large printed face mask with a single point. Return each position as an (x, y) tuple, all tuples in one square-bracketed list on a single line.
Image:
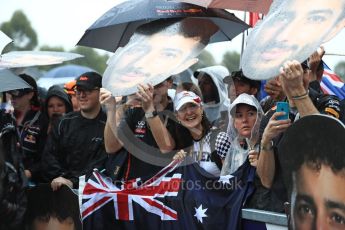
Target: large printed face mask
[(153, 58), (292, 30)]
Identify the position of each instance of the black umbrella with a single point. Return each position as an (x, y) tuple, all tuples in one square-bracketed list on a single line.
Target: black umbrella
[(116, 26), (10, 81)]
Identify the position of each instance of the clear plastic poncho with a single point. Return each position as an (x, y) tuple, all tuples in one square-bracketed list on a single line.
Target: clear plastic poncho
[(237, 155)]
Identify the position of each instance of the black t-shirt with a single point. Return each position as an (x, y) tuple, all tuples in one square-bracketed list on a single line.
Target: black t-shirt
[(145, 159)]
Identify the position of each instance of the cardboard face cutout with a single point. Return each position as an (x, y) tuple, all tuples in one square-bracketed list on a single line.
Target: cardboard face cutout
[(292, 30), (152, 55), (312, 157)]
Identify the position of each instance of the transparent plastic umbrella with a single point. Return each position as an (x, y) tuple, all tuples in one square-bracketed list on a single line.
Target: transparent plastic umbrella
[(17, 59)]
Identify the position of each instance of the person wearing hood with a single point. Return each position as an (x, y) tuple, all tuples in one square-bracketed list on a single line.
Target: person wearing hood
[(214, 93), (57, 104), (243, 131)]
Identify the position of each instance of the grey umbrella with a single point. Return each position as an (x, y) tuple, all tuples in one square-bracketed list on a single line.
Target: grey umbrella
[(10, 81), (115, 27)]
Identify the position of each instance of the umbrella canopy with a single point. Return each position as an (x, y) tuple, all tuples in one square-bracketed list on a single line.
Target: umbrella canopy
[(19, 59), (10, 81), (67, 71), (62, 74), (244, 5), (115, 27)]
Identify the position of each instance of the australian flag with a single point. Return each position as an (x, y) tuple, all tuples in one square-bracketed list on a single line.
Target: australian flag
[(178, 197), (332, 84)]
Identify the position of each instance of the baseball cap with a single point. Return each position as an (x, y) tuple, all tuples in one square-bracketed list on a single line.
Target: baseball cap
[(69, 87), (185, 97), (89, 80), (329, 104), (243, 99), (238, 75)]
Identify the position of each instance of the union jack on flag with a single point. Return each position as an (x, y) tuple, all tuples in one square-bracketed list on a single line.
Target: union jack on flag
[(176, 198), (100, 190), (332, 84)]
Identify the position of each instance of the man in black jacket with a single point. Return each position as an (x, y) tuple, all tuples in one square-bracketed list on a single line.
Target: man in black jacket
[(75, 145)]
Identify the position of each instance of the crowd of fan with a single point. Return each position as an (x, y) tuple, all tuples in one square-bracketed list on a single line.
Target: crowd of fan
[(81, 126)]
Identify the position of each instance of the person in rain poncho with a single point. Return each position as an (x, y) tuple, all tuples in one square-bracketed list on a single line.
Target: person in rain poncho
[(214, 93), (243, 130)]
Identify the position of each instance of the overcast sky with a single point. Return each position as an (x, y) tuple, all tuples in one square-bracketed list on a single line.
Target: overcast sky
[(63, 22)]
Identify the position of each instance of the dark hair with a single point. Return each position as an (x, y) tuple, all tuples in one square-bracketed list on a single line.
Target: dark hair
[(61, 204), (196, 28), (238, 75), (32, 82), (316, 140), (183, 136)]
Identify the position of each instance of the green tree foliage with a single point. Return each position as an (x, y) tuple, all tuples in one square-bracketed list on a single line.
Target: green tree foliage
[(51, 48), (19, 29), (231, 60), (340, 70), (205, 59)]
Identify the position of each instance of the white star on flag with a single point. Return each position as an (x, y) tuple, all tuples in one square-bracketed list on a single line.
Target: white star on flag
[(225, 179), (200, 213)]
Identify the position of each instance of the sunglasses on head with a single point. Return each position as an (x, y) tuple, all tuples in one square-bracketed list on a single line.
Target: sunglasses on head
[(19, 92)]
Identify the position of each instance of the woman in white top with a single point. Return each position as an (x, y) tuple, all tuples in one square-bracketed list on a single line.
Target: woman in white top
[(209, 145)]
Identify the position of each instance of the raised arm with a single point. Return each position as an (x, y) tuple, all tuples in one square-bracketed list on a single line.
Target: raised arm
[(266, 162), (112, 143), (295, 84), (159, 131)]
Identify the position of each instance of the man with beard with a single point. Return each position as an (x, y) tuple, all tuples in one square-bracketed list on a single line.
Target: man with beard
[(291, 30), (156, 51)]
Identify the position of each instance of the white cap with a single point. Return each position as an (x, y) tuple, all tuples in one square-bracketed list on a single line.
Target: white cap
[(185, 97), (244, 99)]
